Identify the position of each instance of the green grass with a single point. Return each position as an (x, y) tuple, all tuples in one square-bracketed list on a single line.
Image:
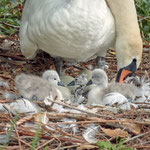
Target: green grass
[(106, 145), (8, 136), (143, 11), (36, 137), (10, 13)]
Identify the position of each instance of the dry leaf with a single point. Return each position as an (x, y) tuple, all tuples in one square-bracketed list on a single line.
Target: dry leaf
[(133, 127), (83, 147), (41, 117), (117, 132), (1, 36)]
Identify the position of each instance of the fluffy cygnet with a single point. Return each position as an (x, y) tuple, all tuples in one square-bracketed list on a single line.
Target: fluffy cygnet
[(100, 79), (52, 77), (88, 74), (79, 83), (35, 88)]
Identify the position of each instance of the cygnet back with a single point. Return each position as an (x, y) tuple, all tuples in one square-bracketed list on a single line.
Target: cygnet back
[(128, 90), (35, 88)]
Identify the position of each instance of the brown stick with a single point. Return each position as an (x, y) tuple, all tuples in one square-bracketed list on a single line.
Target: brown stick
[(84, 111)]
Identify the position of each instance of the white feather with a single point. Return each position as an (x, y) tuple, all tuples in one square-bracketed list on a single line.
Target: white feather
[(128, 106), (143, 87), (10, 96), (81, 107), (4, 84), (69, 126), (23, 106), (89, 134), (2, 109), (57, 107), (114, 98), (4, 139)]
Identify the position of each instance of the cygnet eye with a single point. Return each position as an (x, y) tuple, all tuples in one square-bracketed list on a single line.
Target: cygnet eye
[(54, 78), (34, 97)]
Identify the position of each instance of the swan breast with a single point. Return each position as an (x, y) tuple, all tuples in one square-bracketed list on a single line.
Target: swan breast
[(69, 29)]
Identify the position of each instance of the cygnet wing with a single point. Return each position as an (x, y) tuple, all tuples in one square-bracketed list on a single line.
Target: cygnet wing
[(32, 87), (114, 98), (128, 90)]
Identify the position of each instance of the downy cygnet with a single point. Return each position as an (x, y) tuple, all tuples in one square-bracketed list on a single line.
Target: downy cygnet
[(79, 83), (52, 76), (100, 79), (33, 87)]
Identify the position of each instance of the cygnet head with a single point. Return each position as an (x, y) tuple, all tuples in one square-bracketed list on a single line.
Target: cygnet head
[(99, 77), (79, 80), (52, 77)]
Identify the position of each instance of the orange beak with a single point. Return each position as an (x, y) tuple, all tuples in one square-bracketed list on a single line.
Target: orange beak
[(124, 74)]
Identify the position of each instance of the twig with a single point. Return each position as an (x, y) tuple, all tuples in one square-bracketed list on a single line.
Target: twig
[(18, 137), (84, 111), (65, 133), (41, 146), (10, 25), (69, 147), (22, 141), (135, 137), (14, 56)]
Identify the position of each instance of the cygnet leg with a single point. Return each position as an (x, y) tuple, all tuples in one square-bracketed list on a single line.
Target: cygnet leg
[(100, 62), (58, 64)]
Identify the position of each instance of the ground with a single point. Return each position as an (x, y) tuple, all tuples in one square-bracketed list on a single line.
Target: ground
[(131, 123)]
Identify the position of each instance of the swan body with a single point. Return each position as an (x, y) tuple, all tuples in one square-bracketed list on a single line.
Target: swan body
[(71, 29), (79, 30), (99, 94), (35, 88)]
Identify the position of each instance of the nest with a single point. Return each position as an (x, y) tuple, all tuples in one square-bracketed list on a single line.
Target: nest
[(49, 130)]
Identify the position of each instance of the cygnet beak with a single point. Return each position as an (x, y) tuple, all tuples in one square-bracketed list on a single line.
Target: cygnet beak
[(89, 83), (124, 72), (72, 83), (60, 83)]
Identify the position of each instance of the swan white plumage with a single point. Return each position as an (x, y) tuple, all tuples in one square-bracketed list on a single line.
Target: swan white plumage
[(79, 30), (70, 29)]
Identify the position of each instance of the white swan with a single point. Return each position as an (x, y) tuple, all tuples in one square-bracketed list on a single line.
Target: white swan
[(35, 88), (97, 95), (79, 30)]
